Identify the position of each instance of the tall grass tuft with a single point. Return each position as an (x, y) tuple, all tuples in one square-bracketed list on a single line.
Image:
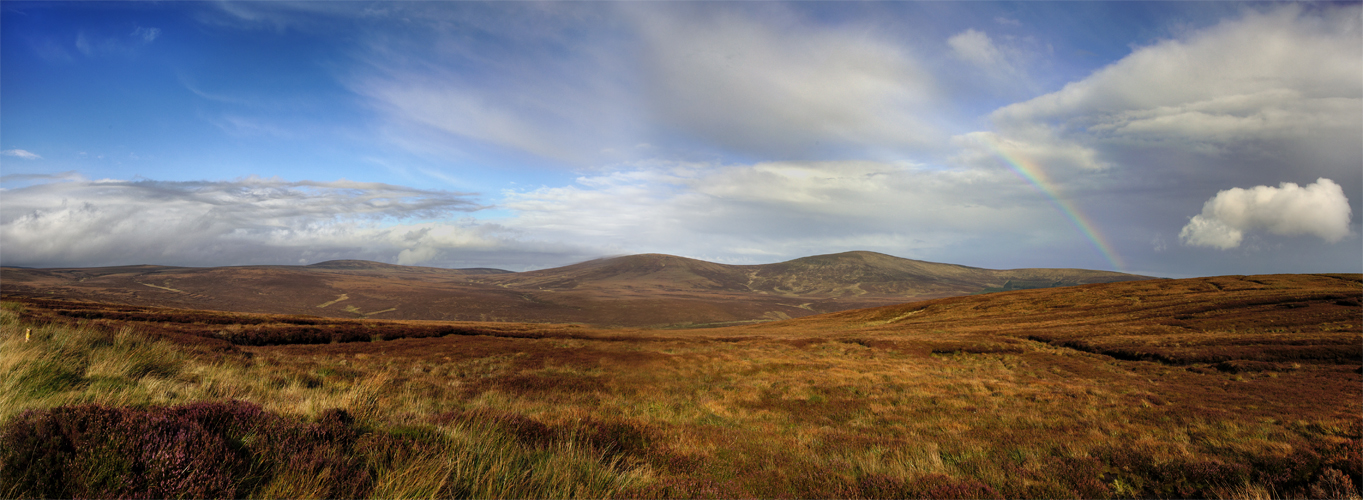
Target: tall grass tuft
[(79, 417)]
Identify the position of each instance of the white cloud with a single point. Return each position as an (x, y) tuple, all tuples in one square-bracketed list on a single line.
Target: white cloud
[(1158, 244), (83, 45), (1291, 72), (147, 35), (976, 48), (995, 66), (1037, 146), (1319, 209), (21, 154), (793, 209), (690, 82), (521, 87), (1258, 97), (127, 45), (779, 87), (80, 222), (551, 116)]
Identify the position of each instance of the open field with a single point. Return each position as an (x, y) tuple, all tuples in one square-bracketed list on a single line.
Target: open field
[(1231, 387)]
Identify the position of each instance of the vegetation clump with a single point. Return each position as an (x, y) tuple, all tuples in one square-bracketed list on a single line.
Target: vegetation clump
[(200, 450)]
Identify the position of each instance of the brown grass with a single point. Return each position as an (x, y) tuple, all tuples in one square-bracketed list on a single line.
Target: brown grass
[(1219, 387)]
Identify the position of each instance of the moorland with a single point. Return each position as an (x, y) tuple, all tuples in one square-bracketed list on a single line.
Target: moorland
[(1221, 387), (634, 291)]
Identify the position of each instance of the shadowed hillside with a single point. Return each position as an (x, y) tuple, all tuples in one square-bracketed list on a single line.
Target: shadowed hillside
[(638, 290)]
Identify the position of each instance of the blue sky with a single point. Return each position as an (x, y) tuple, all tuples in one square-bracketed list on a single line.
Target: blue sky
[(1164, 138)]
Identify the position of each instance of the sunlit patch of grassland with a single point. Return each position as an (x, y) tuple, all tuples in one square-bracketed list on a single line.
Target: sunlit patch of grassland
[(53, 365), (768, 417), (409, 457), (930, 404)]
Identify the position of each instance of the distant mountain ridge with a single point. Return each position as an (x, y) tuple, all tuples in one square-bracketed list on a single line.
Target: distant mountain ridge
[(369, 265), (634, 290), (844, 274)]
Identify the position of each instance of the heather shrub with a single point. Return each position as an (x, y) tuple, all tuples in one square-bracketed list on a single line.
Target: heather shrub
[(1083, 476), (1332, 484), (614, 438), (202, 450), (97, 451), (1347, 458), (236, 449), (686, 487), (943, 486), (878, 486)]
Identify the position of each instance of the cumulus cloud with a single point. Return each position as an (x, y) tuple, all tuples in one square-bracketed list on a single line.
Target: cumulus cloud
[(1318, 209), (80, 222), (21, 154)]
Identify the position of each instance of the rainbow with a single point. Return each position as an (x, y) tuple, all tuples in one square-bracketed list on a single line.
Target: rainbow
[(1032, 173)]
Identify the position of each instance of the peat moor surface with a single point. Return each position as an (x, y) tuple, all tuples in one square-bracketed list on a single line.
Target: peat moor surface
[(638, 290), (1228, 387)]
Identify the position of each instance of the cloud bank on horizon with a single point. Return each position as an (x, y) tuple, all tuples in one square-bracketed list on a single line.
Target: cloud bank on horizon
[(530, 135)]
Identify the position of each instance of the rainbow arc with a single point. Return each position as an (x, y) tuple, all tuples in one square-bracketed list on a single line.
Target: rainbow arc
[(1036, 176)]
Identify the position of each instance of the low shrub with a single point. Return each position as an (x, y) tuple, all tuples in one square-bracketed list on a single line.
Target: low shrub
[(876, 486), (202, 450)]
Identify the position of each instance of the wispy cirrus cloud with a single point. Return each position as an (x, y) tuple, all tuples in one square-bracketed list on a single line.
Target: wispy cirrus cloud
[(95, 44), (27, 155), (775, 85), (147, 35), (690, 82)]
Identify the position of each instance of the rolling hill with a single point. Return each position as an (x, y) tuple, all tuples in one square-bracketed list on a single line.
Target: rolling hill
[(637, 290)]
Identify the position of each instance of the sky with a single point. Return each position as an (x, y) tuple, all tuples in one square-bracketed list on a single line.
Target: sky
[(1171, 139)]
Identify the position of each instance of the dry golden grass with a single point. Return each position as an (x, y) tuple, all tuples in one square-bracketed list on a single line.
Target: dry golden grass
[(1174, 388)]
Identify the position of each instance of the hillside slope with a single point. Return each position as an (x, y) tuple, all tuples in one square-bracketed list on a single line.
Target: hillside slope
[(637, 290), (1297, 318)]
